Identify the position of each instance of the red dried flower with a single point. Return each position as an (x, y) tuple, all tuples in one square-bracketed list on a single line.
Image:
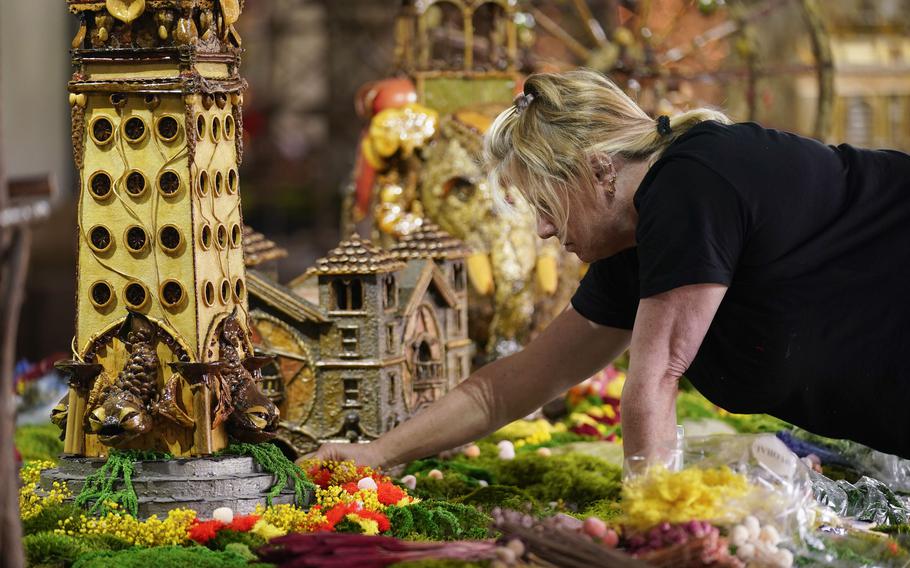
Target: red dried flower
[(204, 531), (380, 519), (350, 487), (243, 523), (336, 514), (320, 476), (390, 494)]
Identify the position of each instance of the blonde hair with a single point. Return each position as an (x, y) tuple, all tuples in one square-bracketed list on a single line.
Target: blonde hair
[(543, 143)]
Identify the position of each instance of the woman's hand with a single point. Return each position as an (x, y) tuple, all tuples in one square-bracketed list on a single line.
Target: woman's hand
[(361, 454)]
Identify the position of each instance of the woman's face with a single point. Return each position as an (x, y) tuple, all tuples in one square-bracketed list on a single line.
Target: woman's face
[(595, 227)]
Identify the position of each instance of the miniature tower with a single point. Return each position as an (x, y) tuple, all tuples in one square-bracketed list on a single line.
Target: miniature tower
[(156, 107), (359, 354), (429, 243)]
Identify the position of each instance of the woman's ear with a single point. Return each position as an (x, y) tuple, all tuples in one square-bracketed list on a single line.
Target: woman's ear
[(604, 173)]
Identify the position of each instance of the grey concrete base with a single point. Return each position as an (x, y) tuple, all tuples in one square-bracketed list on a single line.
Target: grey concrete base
[(201, 484)]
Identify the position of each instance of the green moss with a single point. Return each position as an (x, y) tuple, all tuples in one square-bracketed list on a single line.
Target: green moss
[(449, 488), (39, 442), (169, 556), (226, 537), (504, 496), (49, 518), (605, 509), (51, 549), (574, 479), (690, 405)]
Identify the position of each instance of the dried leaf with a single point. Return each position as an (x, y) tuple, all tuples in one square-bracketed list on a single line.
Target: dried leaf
[(125, 10), (231, 11)]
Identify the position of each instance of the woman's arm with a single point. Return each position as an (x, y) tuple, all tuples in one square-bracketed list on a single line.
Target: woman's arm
[(567, 352), (669, 329)]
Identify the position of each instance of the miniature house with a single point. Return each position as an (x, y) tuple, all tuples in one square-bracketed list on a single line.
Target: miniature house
[(384, 335), (156, 112)]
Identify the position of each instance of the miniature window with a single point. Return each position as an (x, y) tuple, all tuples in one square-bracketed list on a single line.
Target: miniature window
[(390, 338), (216, 129), (136, 295), (350, 339), (225, 291), (239, 290), (228, 127), (236, 235), (221, 236), (232, 181), (458, 277), (351, 392), (459, 368), (168, 128), (168, 183), (208, 291), (136, 239), (172, 294), (393, 388), (219, 183), (459, 319), (390, 299), (135, 183), (100, 238), (203, 187), (205, 237), (102, 130), (348, 294), (169, 237), (101, 294), (134, 129), (100, 184), (200, 126)]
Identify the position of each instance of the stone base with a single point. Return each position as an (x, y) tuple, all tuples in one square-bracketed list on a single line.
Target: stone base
[(201, 484)]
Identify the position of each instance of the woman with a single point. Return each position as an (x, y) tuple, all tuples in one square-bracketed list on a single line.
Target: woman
[(769, 268)]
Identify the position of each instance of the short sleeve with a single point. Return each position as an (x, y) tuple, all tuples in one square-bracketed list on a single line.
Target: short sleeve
[(691, 227), (608, 293)]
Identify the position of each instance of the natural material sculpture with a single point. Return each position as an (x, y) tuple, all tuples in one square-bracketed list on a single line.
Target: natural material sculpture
[(419, 160), (156, 101)]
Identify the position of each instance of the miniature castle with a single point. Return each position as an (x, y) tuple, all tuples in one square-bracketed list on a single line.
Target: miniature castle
[(157, 128), (382, 334)]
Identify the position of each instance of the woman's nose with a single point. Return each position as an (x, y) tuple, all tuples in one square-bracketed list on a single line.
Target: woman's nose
[(545, 228)]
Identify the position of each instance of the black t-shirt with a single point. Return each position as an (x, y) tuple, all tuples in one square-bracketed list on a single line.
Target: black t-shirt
[(813, 242)]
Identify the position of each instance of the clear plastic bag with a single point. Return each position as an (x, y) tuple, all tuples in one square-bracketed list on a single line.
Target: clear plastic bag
[(868, 500)]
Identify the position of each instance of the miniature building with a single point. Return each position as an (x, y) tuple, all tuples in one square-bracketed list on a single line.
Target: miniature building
[(386, 335), (156, 107)]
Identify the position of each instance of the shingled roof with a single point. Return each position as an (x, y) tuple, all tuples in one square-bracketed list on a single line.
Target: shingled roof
[(257, 248), (356, 256), (429, 241)]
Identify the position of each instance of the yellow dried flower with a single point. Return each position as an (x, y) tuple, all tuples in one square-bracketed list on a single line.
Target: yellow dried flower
[(675, 497)]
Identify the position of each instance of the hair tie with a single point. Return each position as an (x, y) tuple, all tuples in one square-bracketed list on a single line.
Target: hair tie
[(522, 101), (663, 125)]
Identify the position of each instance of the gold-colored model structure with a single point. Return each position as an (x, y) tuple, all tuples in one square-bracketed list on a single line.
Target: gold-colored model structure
[(419, 160), (162, 355), (365, 338)]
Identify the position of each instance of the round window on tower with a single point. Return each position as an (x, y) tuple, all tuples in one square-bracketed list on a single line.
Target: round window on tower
[(100, 185), (100, 239), (136, 239), (229, 127), (203, 185), (168, 128), (170, 238), (232, 181), (205, 237), (225, 291), (101, 295), (239, 290), (135, 130), (172, 294), (101, 130), (136, 183), (208, 293), (168, 183), (136, 295)]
